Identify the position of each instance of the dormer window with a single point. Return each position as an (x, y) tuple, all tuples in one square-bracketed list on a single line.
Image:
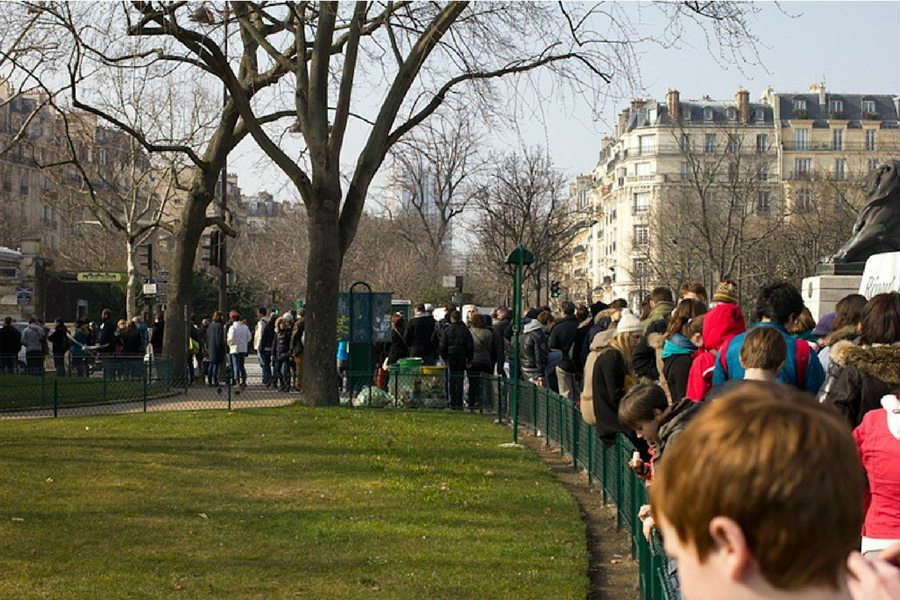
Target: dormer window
[(868, 106), (759, 115), (685, 113), (732, 113), (799, 104), (707, 114), (837, 106)]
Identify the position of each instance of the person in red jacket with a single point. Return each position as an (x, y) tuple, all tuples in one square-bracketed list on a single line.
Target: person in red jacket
[(720, 324), (878, 441)]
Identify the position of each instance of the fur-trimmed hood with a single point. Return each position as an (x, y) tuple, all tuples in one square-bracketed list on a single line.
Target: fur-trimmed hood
[(602, 339), (612, 313), (881, 362), (848, 332)]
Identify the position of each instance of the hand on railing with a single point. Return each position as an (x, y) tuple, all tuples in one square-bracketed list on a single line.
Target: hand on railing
[(877, 579), (647, 522)]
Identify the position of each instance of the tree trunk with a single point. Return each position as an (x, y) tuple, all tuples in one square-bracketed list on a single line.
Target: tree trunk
[(180, 288), (323, 272), (133, 288)]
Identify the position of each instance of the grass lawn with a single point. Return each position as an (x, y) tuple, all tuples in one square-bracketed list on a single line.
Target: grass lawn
[(292, 502), (28, 391)]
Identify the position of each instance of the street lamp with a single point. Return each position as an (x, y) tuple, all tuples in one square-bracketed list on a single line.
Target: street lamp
[(204, 15)]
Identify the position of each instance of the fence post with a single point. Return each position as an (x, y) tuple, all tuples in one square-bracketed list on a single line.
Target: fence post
[(144, 385), (499, 398), (619, 482), (43, 383), (55, 398), (534, 395), (604, 473), (576, 431), (546, 420), (104, 364), (562, 427), (590, 466), (228, 388)]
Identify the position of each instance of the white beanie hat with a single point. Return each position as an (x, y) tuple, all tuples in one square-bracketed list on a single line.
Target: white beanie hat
[(628, 323)]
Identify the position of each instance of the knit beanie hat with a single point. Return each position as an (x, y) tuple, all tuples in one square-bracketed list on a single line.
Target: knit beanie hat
[(628, 323), (726, 292)]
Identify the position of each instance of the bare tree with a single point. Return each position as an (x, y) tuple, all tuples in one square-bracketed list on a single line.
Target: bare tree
[(435, 176), (524, 202), (414, 57)]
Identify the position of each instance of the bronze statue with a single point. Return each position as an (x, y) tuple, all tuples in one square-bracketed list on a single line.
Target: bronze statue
[(877, 227)]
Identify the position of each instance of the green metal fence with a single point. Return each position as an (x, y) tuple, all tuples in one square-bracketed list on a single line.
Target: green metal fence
[(559, 421), (128, 383)]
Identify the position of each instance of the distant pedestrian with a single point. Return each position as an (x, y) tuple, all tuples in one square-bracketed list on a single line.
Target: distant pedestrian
[(33, 338), (482, 363), (457, 351), (420, 335), (562, 338), (283, 356), (60, 340), (156, 335), (263, 337), (80, 339), (298, 339), (215, 348), (10, 343), (238, 339)]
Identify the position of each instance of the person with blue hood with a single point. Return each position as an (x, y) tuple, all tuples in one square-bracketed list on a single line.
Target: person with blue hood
[(678, 349)]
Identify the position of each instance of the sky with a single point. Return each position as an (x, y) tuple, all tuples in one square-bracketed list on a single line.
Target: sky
[(854, 47)]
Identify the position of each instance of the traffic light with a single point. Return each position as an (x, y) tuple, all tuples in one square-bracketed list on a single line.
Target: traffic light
[(554, 289), (145, 256), (212, 248)]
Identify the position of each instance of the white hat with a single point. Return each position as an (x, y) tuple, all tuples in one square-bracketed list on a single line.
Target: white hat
[(628, 323), (429, 307)]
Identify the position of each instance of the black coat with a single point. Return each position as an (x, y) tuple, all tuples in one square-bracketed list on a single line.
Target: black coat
[(533, 351), (131, 342), (643, 359), (10, 341), (398, 347), (297, 339), (60, 340), (864, 374), (676, 369), (107, 338), (267, 340), (500, 340), (283, 345), (562, 338), (156, 338), (607, 383), (420, 337), (215, 342), (457, 345)]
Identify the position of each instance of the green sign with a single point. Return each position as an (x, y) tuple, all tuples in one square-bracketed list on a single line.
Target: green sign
[(298, 304), (100, 277)]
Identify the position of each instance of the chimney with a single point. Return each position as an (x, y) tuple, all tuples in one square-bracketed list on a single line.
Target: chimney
[(742, 99), (674, 105), (637, 103), (623, 122)]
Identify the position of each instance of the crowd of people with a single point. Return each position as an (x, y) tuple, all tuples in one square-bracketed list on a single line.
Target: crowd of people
[(119, 344), (773, 459)]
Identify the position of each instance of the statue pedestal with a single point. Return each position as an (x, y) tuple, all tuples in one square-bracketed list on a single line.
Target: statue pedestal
[(822, 292)]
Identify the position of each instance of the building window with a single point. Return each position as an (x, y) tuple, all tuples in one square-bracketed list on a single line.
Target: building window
[(7, 184), (732, 113), (840, 168), (837, 106), (868, 106), (763, 203), (732, 171), (801, 139), (802, 167), (870, 139), (837, 139), (641, 202), (763, 173), (759, 115), (644, 168), (47, 214), (803, 202), (646, 144), (873, 164), (734, 144), (707, 114), (685, 143), (641, 235), (23, 185), (685, 173), (762, 143), (799, 104), (641, 268), (709, 143)]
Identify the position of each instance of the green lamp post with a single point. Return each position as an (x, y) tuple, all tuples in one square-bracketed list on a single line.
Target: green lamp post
[(519, 257)]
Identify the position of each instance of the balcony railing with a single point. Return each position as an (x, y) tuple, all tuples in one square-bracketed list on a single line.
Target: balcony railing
[(830, 146)]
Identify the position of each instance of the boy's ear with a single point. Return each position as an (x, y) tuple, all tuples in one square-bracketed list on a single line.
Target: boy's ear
[(730, 554), (657, 412)]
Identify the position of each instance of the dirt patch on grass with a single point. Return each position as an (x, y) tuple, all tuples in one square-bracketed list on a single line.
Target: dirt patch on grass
[(613, 573)]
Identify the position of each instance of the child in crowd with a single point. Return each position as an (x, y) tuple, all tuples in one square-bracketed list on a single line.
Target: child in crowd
[(759, 499), (724, 321)]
